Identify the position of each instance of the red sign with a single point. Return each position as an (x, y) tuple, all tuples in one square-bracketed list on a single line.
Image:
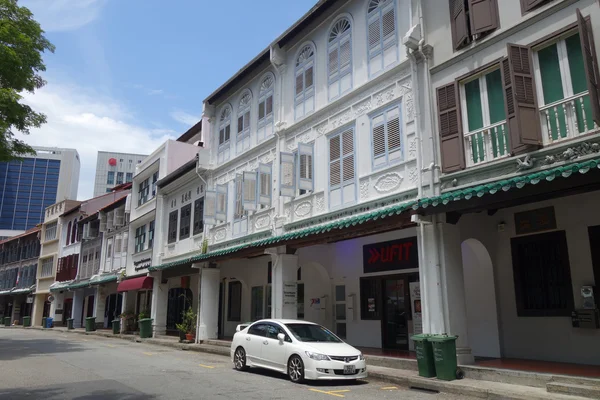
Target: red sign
[(112, 162), (392, 255)]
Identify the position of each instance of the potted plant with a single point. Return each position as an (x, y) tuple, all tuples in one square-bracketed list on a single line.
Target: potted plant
[(188, 325), (127, 316)]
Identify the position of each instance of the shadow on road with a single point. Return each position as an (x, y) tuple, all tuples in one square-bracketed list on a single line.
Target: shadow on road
[(14, 348), (324, 383), (91, 390)]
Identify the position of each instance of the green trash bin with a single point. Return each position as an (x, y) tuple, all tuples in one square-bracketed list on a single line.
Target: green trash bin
[(6, 321), (26, 321), (116, 326), (44, 322), (444, 354), (424, 351), (145, 328), (90, 324), (70, 323)]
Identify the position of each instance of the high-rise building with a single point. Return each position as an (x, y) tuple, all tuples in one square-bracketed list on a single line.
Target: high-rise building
[(113, 169), (27, 187)]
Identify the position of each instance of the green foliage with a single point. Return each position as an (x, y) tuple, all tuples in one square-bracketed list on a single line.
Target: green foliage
[(22, 43), (188, 325), (143, 314)]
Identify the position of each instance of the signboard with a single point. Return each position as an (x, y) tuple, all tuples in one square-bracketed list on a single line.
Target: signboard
[(392, 255), (142, 263), (315, 303), (415, 301), (290, 293), (541, 219), (29, 299)]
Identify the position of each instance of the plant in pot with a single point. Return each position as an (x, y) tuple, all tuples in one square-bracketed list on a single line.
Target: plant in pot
[(188, 325), (127, 317)]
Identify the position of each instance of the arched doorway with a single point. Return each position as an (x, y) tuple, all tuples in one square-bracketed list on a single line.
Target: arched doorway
[(480, 298)]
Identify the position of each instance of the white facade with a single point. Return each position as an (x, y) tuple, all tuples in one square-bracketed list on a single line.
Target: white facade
[(108, 175)]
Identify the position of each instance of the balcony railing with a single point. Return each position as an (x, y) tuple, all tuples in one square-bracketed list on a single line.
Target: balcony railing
[(567, 118), (486, 144)]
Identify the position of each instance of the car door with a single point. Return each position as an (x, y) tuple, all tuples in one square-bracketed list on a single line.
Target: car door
[(254, 343), (274, 352)]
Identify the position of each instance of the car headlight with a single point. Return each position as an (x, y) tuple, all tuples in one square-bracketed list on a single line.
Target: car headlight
[(317, 356), (361, 357)]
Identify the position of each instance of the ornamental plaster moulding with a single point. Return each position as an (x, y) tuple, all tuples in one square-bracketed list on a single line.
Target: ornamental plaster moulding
[(303, 209), (388, 182)]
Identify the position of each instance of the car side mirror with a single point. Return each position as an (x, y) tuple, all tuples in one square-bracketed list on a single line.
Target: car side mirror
[(281, 337)]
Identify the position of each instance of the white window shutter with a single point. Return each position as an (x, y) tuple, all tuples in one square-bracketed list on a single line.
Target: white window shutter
[(250, 190), (210, 207), (128, 204), (221, 209), (374, 35), (287, 181), (305, 165), (86, 231), (119, 217), (103, 222), (110, 218), (264, 184)]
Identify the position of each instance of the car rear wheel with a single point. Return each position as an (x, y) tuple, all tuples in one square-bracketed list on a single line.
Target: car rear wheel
[(296, 369), (239, 359)]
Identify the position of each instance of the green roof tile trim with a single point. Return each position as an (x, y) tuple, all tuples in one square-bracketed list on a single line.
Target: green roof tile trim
[(505, 185), (456, 195), (59, 287), (103, 279)]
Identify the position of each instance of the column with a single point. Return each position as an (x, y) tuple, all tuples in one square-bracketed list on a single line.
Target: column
[(123, 310), (38, 309), (208, 309), (160, 300), (78, 300), (283, 284), (100, 306)]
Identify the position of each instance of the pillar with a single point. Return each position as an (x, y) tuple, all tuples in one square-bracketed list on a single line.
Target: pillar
[(208, 309), (123, 310), (283, 284), (158, 311), (100, 306), (78, 300), (38, 309)]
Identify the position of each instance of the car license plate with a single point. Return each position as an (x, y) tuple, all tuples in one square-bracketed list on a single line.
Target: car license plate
[(349, 369)]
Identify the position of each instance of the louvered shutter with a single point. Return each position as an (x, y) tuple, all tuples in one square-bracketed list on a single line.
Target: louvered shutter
[(299, 83), (249, 194), (451, 139), (287, 181), (522, 117), (394, 140), (86, 231), (378, 139), (458, 23), (308, 77), (374, 35), (305, 166), (483, 15), (348, 156), (221, 208), (335, 166), (210, 207), (238, 206), (264, 184), (389, 24), (334, 58), (591, 64), (528, 5)]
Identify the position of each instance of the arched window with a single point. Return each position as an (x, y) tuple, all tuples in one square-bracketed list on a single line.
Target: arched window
[(305, 88), (69, 233), (265, 107), (243, 127), (340, 58), (224, 134), (383, 37), (74, 231)]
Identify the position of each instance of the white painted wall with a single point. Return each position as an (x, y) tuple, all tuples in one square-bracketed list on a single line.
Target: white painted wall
[(542, 338)]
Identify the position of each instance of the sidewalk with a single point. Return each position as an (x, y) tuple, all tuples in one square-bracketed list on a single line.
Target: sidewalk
[(403, 377)]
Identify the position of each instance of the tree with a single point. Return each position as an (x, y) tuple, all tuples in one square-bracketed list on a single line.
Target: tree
[(22, 43)]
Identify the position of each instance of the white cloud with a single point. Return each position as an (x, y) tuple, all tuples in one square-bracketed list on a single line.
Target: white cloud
[(184, 117), (64, 15), (80, 119)]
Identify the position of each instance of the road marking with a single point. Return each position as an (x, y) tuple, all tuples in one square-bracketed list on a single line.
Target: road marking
[(148, 354), (110, 345), (335, 393), (206, 366), (389, 388)]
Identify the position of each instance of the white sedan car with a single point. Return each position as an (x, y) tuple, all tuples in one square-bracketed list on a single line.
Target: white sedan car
[(300, 349)]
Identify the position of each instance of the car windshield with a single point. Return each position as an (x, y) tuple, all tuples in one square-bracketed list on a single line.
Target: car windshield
[(312, 333)]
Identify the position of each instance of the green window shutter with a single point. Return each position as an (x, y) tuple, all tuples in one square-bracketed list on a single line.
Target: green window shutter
[(474, 111), (579, 82), (550, 73), (493, 82), (591, 64)]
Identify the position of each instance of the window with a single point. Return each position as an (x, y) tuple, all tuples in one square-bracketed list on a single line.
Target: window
[(305, 90), (140, 238), (143, 192), (240, 222), (198, 214), (256, 303), (172, 229), (186, 220), (529, 5), (305, 163), (265, 107), (234, 303), (129, 176), (119, 178), (50, 232), (258, 330), (243, 127), (370, 302), (68, 238), (340, 58), (110, 178), (224, 134), (386, 137), (382, 35), (342, 182), (154, 183), (472, 20), (542, 275), (150, 237), (562, 89), (47, 264)]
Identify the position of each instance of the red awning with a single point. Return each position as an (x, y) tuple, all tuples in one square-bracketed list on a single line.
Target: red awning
[(141, 283)]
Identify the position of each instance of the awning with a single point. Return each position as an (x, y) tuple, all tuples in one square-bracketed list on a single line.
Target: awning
[(58, 286), (99, 279), (143, 282)]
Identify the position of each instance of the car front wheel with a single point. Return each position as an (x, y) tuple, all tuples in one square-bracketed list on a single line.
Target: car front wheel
[(239, 359), (296, 369)]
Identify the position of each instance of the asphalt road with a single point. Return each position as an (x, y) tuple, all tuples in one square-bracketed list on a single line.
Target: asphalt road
[(55, 365)]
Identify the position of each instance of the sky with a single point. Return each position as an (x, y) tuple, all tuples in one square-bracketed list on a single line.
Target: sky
[(129, 74)]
